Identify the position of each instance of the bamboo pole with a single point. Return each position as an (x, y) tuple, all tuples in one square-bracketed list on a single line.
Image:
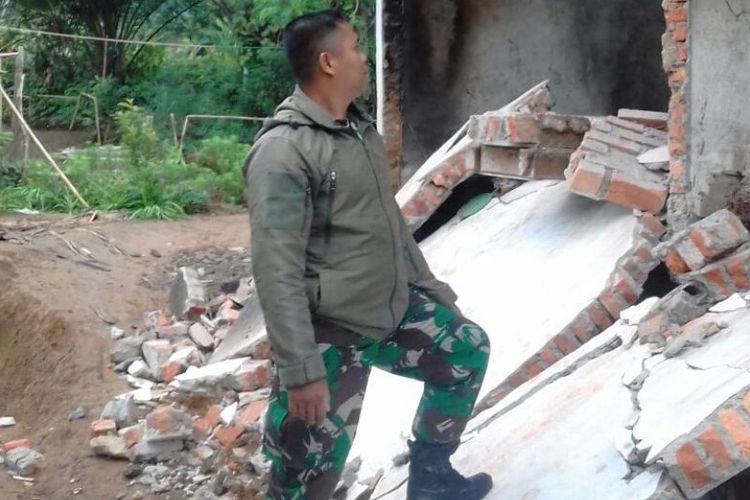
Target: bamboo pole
[(41, 147), (96, 117)]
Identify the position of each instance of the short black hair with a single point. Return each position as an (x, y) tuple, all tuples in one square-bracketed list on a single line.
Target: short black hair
[(302, 40)]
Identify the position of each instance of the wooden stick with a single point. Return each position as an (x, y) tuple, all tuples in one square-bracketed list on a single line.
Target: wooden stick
[(211, 117), (96, 116), (41, 147)]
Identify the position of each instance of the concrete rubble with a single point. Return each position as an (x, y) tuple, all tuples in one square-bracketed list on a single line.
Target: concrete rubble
[(209, 450)]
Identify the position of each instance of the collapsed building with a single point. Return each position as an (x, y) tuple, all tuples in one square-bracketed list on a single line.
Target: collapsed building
[(593, 223)]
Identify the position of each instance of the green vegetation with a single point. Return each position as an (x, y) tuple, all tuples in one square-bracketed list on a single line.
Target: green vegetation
[(239, 70)]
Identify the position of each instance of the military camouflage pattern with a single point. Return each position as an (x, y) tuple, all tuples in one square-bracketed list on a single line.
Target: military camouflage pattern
[(432, 344)]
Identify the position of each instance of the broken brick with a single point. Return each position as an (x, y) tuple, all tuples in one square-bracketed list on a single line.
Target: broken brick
[(252, 412), (226, 435), (103, 427), (251, 375), (166, 423), (16, 443)]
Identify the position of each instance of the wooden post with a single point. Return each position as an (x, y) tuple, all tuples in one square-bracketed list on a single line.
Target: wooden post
[(25, 126), (1, 101), (104, 60), (17, 146)]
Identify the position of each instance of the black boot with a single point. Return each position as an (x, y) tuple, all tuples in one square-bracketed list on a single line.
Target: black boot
[(432, 477)]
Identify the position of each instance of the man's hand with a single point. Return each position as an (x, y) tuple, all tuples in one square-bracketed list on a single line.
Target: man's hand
[(310, 402)]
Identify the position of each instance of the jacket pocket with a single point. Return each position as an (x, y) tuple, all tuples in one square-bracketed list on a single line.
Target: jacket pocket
[(329, 205)]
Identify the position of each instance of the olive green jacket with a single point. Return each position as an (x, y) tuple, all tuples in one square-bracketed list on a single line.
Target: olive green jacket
[(327, 236)]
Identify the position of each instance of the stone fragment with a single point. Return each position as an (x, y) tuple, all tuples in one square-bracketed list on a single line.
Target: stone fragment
[(110, 447), (156, 353), (227, 414), (77, 414), (175, 330), (7, 421), (187, 297), (167, 423), (188, 356), (24, 461), (207, 377), (200, 335), (116, 333), (126, 349), (140, 369), (679, 306), (146, 451), (122, 410)]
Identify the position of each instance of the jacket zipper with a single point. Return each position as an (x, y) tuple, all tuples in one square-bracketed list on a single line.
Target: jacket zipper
[(388, 220), (329, 211)]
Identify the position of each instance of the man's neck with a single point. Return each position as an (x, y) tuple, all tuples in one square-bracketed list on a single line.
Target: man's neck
[(335, 105)]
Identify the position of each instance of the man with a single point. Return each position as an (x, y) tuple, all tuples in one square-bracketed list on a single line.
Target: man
[(343, 286)]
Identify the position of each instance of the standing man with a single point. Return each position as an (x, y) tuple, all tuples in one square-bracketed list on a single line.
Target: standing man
[(343, 285)]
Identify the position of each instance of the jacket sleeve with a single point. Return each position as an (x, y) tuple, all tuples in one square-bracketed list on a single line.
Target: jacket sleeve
[(420, 274), (278, 197)]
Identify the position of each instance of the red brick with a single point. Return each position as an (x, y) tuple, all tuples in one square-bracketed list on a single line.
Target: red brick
[(582, 330), (612, 303), (587, 179), (632, 193), (212, 415), (737, 429), (675, 263), (103, 427), (652, 224), (419, 205), (680, 32), (716, 277), (16, 443), (516, 379), (409, 211), (676, 15), (201, 429), (565, 343), (738, 273), (625, 290), (692, 466), (549, 356), (250, 376), (533, 368), (599, 316), (643, 252), (226, 435), (715, 447), (677, 169), (746, 402), (523, 129), (170, 370), (252, 412), (132, 435)]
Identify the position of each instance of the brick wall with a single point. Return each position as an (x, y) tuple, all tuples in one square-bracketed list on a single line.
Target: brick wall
[(714, 451), (675, 57)]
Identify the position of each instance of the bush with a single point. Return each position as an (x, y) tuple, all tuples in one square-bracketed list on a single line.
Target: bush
[(144, 176)]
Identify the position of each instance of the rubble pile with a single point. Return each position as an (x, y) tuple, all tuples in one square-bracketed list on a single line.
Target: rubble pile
[(20, 460), (191, 422)]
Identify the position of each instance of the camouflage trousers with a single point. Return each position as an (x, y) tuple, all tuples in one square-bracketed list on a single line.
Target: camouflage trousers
[(432, 344)]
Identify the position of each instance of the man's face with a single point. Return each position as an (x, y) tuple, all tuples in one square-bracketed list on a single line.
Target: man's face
[(350, 62)]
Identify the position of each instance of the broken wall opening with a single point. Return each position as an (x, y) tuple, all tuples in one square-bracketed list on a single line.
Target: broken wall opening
[(462, 57)]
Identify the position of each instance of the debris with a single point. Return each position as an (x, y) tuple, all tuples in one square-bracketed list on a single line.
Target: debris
[(24, 461), (187, 297), (16, 443), (103, 427), (126, 349), (7, 421), (156, 353), (117, 333), (606, 166), (200, 335), (166, 423), (110, 447), (139, 368), (77, 414), (227, 414), (122, 411)]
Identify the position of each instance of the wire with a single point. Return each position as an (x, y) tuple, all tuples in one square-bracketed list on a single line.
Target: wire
[(132, 42)]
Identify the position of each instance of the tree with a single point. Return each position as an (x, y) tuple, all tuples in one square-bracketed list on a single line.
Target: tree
[(113, 19)]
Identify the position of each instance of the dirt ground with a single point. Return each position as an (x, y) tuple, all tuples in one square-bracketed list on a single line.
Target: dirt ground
[(54, 337)]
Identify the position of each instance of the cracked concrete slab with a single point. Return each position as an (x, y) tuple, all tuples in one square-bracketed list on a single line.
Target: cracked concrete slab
[(517, 269), (563, 436), (681, 392)]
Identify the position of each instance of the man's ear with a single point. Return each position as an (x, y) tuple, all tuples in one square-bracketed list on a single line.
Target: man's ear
[(326, 64)]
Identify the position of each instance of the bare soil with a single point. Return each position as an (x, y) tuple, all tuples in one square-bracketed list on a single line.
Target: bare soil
[(55, 305)]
